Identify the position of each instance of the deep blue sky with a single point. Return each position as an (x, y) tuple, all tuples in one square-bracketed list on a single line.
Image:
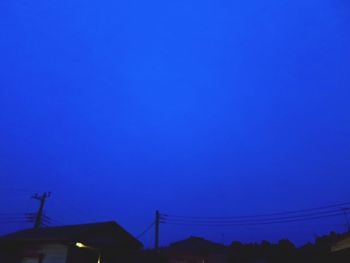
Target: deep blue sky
[(193, 107)]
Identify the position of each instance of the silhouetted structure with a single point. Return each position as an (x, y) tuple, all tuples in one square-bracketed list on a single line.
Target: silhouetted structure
[(87, 243)]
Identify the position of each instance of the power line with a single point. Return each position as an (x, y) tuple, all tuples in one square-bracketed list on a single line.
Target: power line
[(261, 219), (250, 223), (13, 217), (12, 222), (5, 214), (251, 220), (339, 206), (146, 230), (55, 221), (76, 213)]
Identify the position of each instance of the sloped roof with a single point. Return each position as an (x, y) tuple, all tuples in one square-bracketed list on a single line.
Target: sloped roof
[(105, 234)]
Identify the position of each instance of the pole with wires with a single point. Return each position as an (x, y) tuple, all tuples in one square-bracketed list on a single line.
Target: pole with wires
[(156, 239), (310, 214), (347, 223), (39, 215)]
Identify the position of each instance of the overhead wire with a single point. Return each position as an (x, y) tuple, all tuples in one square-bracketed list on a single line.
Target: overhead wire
[(146, 230), (261, 219), (339, 205)]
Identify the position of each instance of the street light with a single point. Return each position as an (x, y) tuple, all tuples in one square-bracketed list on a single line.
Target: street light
[(81, 245)]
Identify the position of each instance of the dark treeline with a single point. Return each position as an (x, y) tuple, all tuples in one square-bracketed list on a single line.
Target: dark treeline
[(194, 250), (285, 251)]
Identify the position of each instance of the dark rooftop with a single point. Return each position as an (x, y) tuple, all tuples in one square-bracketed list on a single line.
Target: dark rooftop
[(104, 234)]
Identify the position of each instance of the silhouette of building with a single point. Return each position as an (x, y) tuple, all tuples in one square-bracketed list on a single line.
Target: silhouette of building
[(105, 242)]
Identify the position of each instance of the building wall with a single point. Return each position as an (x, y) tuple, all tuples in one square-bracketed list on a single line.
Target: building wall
[(55, 253), (47, 253)]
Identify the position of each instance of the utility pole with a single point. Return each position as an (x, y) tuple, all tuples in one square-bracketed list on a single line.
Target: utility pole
[(41, 199), (156, 240), (345, 210)]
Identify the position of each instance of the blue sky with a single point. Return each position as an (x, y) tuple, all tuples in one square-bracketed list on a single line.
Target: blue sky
[(192, 107)]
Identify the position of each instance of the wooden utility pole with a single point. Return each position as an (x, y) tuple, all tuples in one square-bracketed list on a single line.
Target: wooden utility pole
[(156, 240), (347, 223), (39, 215)]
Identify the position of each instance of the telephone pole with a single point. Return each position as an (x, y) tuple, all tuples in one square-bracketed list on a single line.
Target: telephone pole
[(345, 210), (156, 240), (41, 199)]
